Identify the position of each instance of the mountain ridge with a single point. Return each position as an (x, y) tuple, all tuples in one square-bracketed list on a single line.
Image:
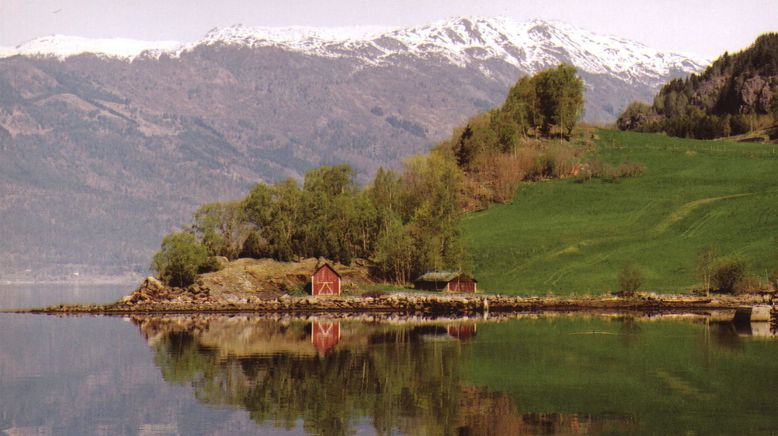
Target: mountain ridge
[(461, 40)]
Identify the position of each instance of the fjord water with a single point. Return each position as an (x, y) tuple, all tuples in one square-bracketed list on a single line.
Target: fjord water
[(245, 374), (37, 295)]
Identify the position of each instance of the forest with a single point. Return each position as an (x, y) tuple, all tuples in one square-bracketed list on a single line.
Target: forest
[(737, 94)]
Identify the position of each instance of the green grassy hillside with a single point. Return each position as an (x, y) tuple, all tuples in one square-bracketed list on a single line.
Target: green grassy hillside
[(568, 237)]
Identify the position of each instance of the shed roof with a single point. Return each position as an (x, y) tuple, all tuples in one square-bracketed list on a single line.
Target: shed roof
[(326, 264), (442, 276)]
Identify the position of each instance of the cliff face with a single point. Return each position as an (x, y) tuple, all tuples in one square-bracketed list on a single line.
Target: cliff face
[(737, 94), (742, 83)]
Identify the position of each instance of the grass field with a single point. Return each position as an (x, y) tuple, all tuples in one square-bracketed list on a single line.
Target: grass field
[(567, 237)]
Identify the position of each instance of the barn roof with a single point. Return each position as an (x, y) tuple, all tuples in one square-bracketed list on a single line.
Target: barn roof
[(442, 276)]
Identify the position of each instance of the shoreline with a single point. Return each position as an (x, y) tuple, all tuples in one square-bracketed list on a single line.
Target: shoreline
[(411, 304)]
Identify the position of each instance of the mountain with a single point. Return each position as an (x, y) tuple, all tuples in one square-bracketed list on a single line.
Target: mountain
[(736, 94), (486, 44), (107, 144)]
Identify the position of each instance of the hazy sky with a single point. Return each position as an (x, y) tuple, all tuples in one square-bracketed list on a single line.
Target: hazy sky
[(704, 27)]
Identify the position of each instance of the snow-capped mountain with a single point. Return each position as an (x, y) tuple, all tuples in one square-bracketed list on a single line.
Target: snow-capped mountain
[(529, 46), (62, 47), (108, 144)]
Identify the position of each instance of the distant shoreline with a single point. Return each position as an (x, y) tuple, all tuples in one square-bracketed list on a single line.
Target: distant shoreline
[(120, 280), (425, 305)]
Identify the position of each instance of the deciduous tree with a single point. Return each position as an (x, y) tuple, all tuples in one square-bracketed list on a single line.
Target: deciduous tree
[(179, 258)]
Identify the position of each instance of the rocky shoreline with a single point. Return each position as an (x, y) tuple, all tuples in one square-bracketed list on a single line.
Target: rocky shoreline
[(153, 298)]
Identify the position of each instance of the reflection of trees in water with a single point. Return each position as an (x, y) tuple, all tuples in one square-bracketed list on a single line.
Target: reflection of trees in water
[(629, 331), (494, 413), (403, 378), (726, 336), (402, 381)]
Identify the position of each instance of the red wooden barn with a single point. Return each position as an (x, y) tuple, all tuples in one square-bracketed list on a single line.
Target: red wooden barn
[(447, 282), (325, 281)]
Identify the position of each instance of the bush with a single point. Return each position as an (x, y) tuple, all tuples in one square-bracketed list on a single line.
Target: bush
[(630, 279), (750, 284), (255, 246), (728, 274), (212, 264), (635, 116), (179, 259), (607, 173)]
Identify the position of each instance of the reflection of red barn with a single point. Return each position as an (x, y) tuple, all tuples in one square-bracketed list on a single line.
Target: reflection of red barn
[(325, 281), (447, 282), (325, 335), (462, 331)]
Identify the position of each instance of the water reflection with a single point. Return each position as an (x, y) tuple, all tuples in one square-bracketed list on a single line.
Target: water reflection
[(544, 373), (326, 373), (330, 374), (325, 335)]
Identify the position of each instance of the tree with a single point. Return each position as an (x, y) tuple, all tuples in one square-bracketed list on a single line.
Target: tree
[(431, 187), (331, 180), (179, 258), (571, 101), (394, 253), (630, 279), (522, 105), (727, 274), (505, 130), (329, 195), (560, 97), (256, 246), (706, 260), (284, 229), (354, 222), (464, 149), (257, 205), (384, 194), (773, 278), (222, 228), (774, 105)]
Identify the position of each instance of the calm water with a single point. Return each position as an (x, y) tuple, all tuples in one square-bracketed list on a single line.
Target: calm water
[(246, 375), (26, 296)]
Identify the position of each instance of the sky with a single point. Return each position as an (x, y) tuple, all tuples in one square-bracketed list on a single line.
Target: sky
[(700, 27)]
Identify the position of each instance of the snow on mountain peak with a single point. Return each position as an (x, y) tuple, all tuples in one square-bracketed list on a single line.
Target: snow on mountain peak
[(62, 47), (530, 46), (537, 44), (289, 35)]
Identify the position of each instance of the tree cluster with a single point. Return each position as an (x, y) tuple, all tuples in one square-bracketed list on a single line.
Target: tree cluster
[(730, 274), (406, 224), (737, 94), (499, 148), (546, 104)]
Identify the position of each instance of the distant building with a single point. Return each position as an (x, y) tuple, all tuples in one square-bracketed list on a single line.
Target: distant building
[(325, 281), (446, 281)]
